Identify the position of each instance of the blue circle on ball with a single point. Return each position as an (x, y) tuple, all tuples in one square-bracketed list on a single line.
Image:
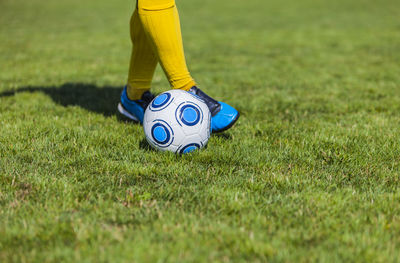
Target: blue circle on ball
[(190, 148), (161, 100), (190, 115), (160, 133)]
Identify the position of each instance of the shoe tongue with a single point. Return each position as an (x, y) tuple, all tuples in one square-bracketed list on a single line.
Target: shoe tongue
[(212, 104), (193, 89)]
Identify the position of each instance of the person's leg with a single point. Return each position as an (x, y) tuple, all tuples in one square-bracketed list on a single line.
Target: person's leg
[(136, 96), (161, 24), (143, 60)]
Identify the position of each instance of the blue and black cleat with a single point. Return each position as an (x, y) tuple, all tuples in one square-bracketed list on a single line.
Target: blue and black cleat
[(134, 109), (223, 116)]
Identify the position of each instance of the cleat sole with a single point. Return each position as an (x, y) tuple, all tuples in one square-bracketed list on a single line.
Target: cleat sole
[(125, 113)]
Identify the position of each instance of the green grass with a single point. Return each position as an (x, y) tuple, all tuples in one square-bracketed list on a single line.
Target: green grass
[(311, 172)]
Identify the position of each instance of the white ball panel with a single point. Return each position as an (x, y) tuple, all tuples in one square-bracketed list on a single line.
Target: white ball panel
[(172, 115)]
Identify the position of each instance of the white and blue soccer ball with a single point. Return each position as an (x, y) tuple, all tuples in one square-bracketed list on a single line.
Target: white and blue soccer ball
[(177, 121)]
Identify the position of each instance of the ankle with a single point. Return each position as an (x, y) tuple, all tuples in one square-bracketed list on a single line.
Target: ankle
[(134, 93)]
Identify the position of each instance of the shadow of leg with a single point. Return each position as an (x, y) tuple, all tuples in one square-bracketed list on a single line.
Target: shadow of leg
[(101, 100)]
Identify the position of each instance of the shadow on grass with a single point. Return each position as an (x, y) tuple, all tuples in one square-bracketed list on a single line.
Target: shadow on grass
[(101, 100), (144, 145), (223, 136)]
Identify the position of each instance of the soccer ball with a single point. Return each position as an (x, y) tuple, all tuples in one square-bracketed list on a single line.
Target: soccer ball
[(177, 121)]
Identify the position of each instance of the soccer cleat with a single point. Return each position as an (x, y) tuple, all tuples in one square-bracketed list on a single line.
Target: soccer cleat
[(134, 109), (223, 115)]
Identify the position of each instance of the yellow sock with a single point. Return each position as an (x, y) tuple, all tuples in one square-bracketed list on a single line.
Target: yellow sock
[(160, 21), (143, 60)]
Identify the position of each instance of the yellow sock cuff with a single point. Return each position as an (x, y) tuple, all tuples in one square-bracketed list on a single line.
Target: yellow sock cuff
[(135, 93), (154, 5), (186, 85)]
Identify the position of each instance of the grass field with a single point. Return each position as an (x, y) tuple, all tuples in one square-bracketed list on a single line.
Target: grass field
[(311, 172)]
